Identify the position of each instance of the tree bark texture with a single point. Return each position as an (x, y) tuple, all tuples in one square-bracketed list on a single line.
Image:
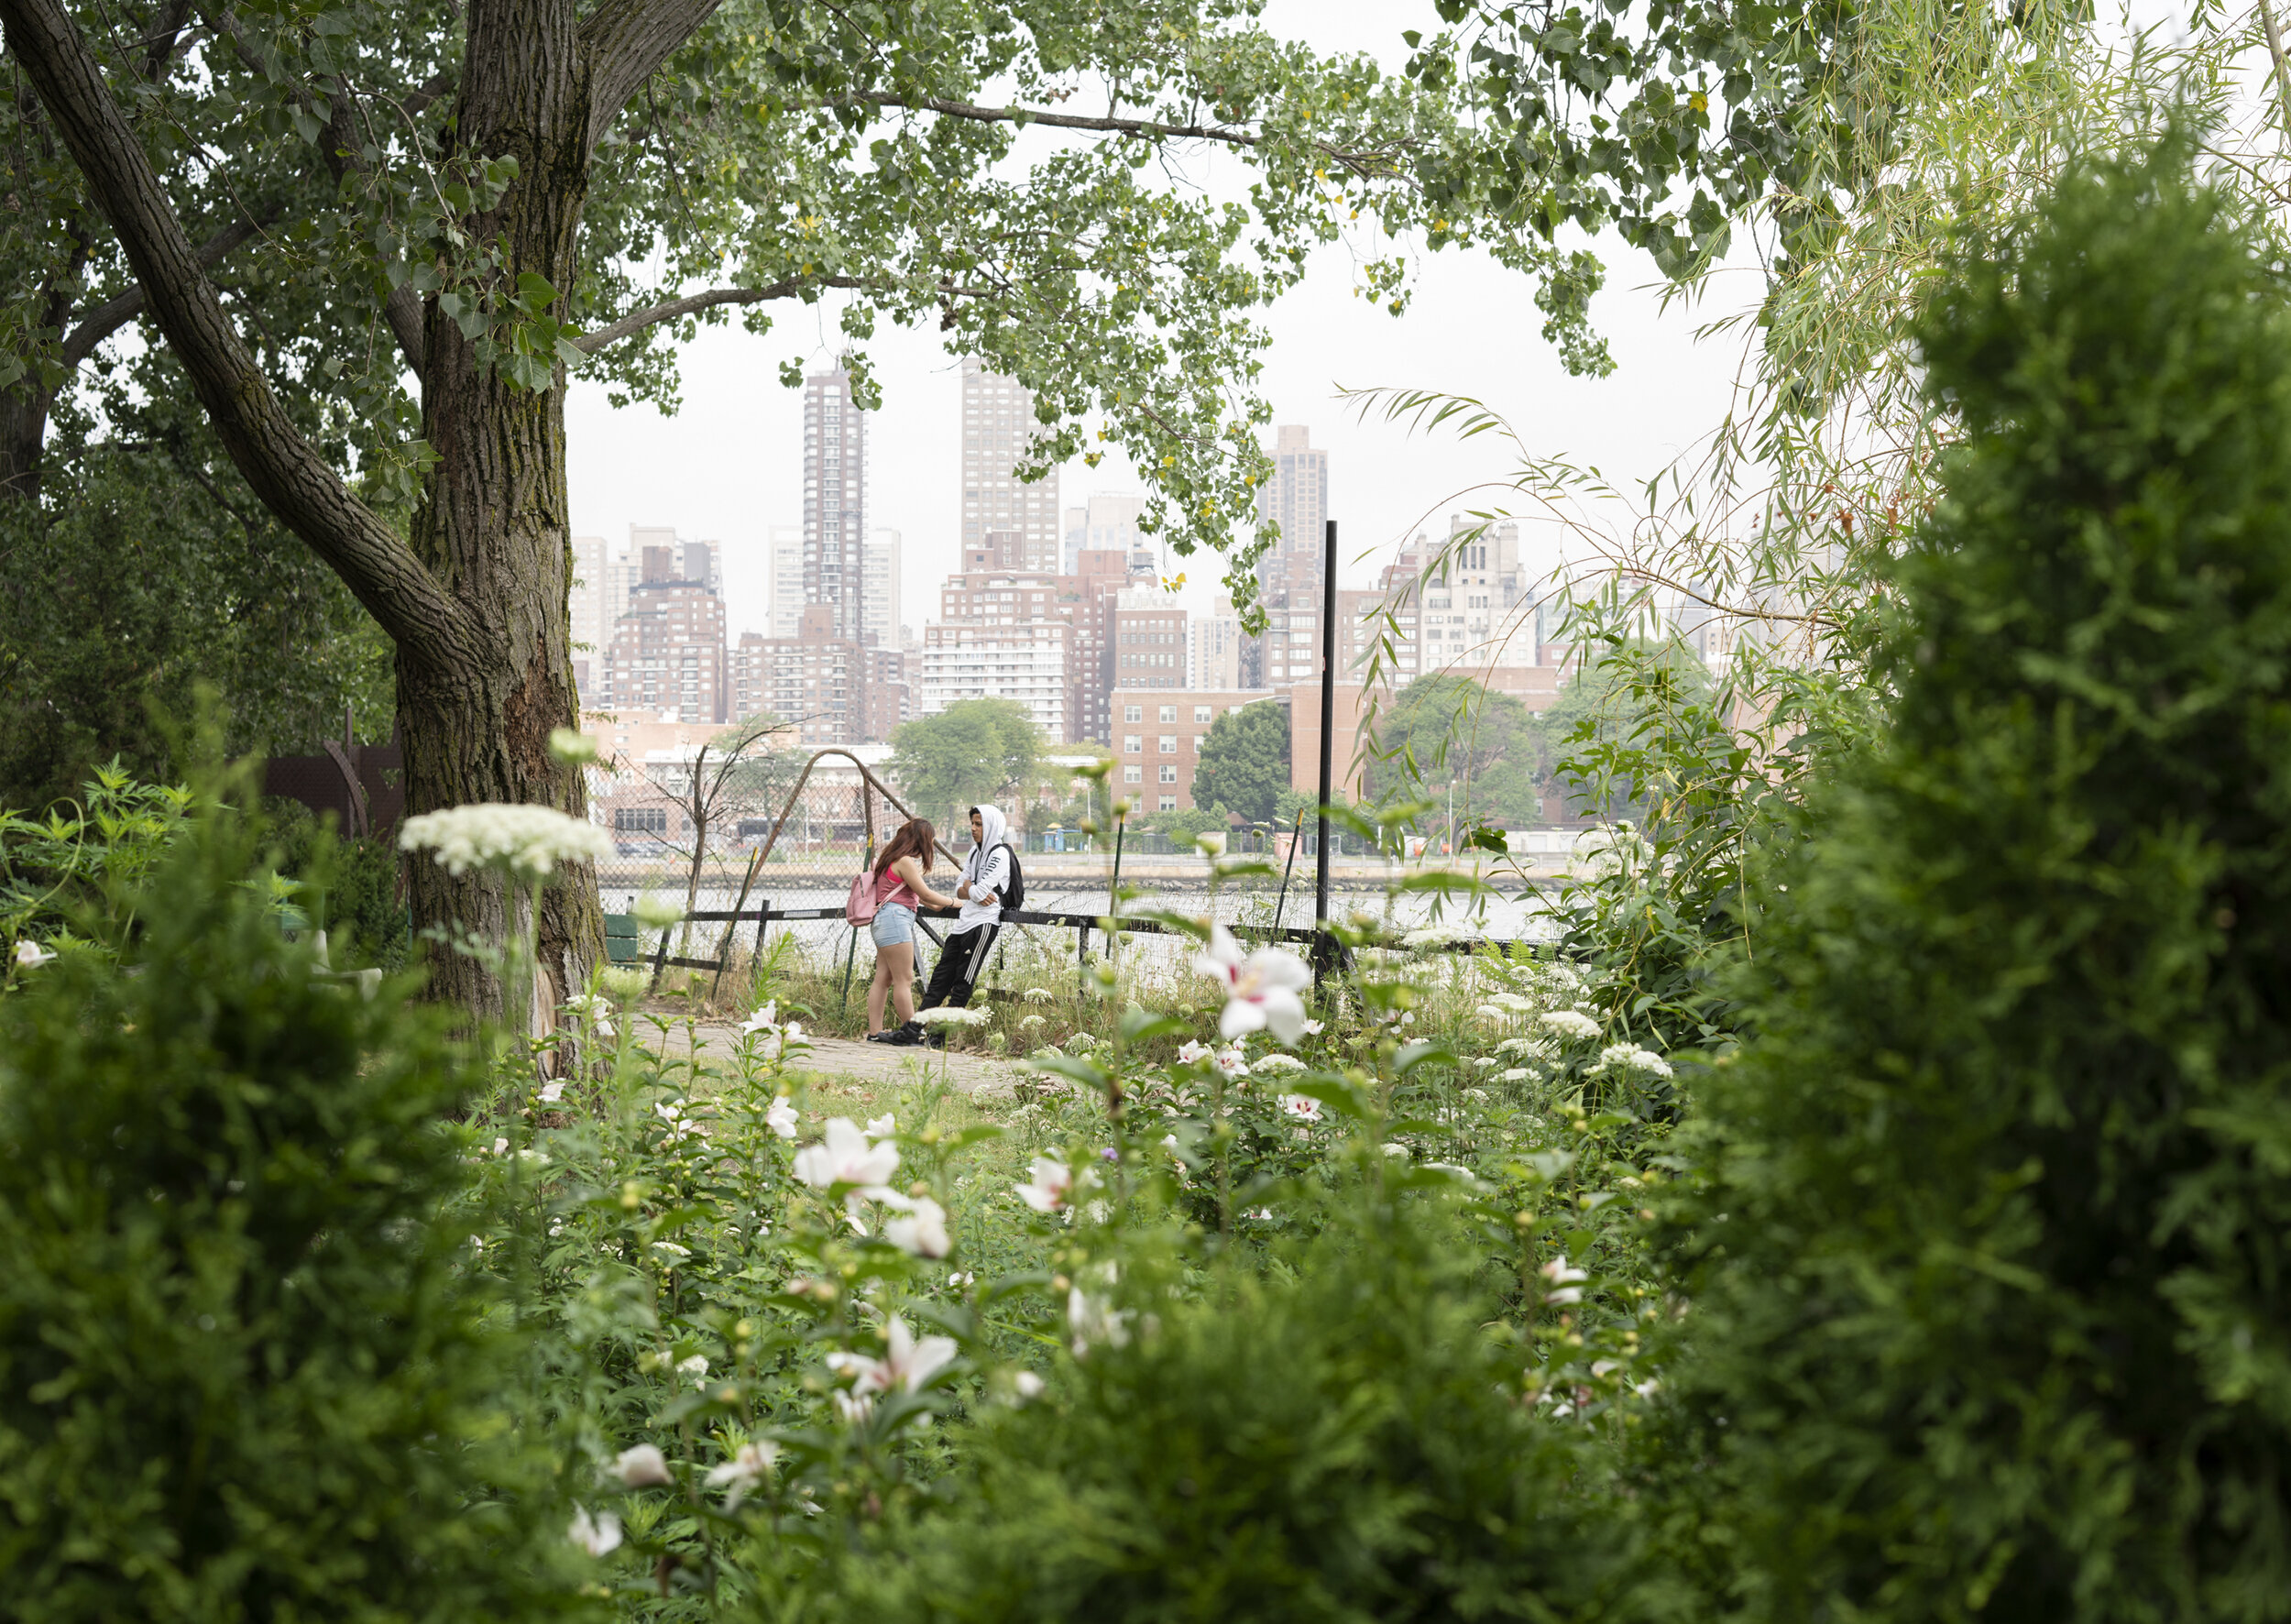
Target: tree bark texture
[(493, 524), (477, 605)]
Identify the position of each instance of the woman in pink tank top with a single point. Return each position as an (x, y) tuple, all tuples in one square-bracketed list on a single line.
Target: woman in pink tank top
[(900, 890)]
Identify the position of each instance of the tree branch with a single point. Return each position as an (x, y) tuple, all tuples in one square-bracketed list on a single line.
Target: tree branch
[(588, 343), (1364, 164), (110, 316), (343, 155), (285, 471), (625, 41)]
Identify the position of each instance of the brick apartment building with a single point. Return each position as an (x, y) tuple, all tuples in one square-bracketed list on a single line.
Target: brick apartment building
[(666, 655), (1157, 740)]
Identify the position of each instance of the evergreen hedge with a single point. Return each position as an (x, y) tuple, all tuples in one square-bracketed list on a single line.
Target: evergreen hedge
[(1988, 1264), (245, 1372)]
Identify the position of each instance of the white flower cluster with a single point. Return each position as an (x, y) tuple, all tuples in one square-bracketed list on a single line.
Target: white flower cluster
[(947, 1014), (1572, 1023), (526, 841), (1440, 935), (1630, 1057)]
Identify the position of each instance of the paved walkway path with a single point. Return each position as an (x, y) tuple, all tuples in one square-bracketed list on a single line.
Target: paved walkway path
[(879, 1062)]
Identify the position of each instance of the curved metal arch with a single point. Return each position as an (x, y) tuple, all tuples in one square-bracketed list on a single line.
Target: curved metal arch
[(868, 781)]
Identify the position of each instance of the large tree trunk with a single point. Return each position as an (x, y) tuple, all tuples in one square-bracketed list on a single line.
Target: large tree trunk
[(477, 605), (492, 523), (23, 431)]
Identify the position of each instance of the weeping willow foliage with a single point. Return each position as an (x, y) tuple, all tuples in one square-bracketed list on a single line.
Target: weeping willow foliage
[(1766, 549), (1986, 1249)]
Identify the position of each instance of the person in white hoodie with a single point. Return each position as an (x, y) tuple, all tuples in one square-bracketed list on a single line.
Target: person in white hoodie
[(985, 878)]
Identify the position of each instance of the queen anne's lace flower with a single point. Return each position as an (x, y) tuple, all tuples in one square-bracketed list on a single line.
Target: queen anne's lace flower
[(1439, 936), (1277, 1063), (1570, 1023), (947, 1014), (1630, 1057), (523, 840)]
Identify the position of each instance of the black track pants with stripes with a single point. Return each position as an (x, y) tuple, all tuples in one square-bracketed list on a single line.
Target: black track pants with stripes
[(961, 963)]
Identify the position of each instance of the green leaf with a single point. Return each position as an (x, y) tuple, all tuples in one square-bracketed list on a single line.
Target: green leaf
[(1139, 1024), (1417, 1054)]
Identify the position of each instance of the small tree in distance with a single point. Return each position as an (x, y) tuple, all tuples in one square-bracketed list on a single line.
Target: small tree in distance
[(973, 751), (1245, 763)]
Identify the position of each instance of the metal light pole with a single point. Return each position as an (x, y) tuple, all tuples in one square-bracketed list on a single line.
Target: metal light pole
[(1321, 957)]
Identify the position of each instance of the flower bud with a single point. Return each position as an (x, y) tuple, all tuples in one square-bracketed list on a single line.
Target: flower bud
[(572, 746)]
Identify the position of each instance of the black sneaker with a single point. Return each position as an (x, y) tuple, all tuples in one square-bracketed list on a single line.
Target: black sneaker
[(905, 1036), (888, 1034)]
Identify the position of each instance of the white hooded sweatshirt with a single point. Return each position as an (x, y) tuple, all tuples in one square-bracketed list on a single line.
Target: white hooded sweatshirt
[(987, 868)]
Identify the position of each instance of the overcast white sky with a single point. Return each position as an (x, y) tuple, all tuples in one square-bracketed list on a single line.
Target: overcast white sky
[(729, 466)]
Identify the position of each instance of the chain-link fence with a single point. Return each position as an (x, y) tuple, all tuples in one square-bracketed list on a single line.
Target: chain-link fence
[(774, 892)]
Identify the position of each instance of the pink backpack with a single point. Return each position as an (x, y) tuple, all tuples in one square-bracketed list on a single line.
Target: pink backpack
[(858, 908)]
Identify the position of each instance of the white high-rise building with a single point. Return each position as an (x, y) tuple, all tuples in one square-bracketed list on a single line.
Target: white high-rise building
[(786, 544), (1216, 652), (1108, 520), (835, 500), (1297, 500), (587, 600), (1027, 662), (998, 424), (879, 586)]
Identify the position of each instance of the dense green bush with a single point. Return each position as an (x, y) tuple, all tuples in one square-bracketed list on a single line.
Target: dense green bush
[(358, 904), (244, 1370), (1988, 1257), (1343, 1437)]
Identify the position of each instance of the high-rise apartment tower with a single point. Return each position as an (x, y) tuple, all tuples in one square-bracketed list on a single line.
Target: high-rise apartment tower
[(786, 542), (1297, 500), (835, 501), (998, 424), (878, 589)]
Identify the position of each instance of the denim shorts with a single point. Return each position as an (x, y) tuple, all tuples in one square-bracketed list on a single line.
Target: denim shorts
[(894, 925)]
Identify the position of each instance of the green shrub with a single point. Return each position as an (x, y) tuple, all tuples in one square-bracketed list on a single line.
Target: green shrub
[(1339, 1439), (1988, 1259), (243, 1371)]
